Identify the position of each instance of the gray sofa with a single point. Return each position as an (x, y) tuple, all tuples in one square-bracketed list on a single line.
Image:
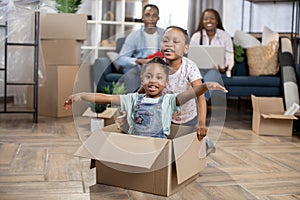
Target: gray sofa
[(240, 84), (243, 85), (103, 72)]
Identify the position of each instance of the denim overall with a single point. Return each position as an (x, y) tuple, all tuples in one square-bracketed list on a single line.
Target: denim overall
[(148, 115)]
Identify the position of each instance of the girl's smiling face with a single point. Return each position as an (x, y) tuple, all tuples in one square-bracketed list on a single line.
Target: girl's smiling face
[(154, 80), (173, 45)]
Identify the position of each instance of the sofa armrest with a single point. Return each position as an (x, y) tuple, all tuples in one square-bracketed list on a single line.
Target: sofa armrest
[(100, 68), (297, 70), (288, 73)]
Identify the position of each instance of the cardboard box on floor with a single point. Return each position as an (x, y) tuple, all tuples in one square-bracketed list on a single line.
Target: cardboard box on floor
[(61, 52), (99, 120), (63, 26), (268, 117), (58, 86), (146, 164)]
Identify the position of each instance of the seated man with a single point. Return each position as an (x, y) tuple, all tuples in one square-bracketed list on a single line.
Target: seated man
[(138, 46)]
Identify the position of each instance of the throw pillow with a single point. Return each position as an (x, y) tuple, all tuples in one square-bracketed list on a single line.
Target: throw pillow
[(113, 57), (245, 40), (263, 60), (268, 36)]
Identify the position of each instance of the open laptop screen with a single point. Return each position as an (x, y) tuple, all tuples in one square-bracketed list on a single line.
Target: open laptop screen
[(207, 57)]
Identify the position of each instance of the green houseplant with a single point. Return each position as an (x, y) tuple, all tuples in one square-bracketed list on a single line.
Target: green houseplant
[(239, 53), (67, 6), (115, 89)]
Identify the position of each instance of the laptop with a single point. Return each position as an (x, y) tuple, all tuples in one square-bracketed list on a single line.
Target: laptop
[(207, 57)]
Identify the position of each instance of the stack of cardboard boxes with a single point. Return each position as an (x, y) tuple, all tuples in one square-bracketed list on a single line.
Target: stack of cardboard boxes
[(61, 38)]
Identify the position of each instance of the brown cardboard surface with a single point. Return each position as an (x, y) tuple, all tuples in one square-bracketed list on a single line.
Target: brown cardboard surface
[(146, 160), (155, 182), (124, 149), (277, 127), (98, 120), (58, 86), (268, 105), (61, 52), (184, 151), (108, 116), (63, 26), (277, 116), (268, 117)]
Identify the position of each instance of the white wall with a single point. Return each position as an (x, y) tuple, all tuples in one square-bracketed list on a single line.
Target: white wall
[(171, 12), (277, 16)]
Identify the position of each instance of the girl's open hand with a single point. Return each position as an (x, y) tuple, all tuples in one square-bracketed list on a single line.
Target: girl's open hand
[(215, 86), (73, 98), (222, 69), (68, 103)]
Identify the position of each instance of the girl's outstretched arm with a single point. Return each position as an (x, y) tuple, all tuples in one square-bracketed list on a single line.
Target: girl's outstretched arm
[(198, 90), (98, 98)]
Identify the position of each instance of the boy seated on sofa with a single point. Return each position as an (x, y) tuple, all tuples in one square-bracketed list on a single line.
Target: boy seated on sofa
[(148, 114)]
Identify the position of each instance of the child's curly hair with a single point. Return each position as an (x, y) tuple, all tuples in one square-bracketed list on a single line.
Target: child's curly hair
[(185, 33), (157, 60)]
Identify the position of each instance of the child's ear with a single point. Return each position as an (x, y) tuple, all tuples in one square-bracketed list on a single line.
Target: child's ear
[(186, 49)]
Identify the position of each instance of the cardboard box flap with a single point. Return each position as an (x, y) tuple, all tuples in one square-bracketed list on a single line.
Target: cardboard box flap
[(83, 152), (108, 113), (123, 149), (187, 149), (267, 104), (277, 116)]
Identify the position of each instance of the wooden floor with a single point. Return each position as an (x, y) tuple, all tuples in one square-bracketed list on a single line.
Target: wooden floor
[(37, 162)]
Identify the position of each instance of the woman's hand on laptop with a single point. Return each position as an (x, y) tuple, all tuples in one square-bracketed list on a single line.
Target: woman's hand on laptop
[(222, 69)]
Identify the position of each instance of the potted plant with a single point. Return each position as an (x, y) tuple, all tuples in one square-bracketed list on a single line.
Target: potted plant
[(116, 88), (67, 6), (239, 53)]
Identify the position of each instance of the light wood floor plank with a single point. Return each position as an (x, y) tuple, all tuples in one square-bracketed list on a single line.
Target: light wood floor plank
[(21, 178), (7, 152), (51, 187), (234, 192), (62, 196), (284, 197), (275, 188), (29, 161), (62, 167)]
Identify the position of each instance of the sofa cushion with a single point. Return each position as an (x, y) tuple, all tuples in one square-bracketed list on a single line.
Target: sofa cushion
[(119, 44), (113, 57), (263, 60), (269, 36), (113, 77), (241, 68), (245, 40), (253, 81), (246, 91)]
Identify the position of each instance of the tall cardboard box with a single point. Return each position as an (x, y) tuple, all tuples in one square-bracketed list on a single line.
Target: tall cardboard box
[(58, 86), (146, 164), (61, 52), (63, 26), (268, 117)]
